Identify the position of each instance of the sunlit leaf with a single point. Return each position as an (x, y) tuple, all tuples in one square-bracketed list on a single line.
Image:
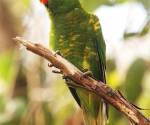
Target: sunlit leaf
[(7, 67)]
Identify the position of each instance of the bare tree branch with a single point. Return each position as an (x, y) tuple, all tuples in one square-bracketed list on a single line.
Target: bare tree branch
[(70, 72)]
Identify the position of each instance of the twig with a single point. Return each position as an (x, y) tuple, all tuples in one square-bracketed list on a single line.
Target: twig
[(104, 91)]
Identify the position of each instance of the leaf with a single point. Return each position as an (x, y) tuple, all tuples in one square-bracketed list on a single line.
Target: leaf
[(133, 81), (7, 67)]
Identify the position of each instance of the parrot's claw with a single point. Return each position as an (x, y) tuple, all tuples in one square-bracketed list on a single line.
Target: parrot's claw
[(57, 72), (50, 65), (57, 53), (87, 73)]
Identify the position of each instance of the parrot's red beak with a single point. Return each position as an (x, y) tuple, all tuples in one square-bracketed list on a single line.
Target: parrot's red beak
[(45, 2)]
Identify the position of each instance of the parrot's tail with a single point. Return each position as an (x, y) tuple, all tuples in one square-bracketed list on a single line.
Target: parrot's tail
[(100, 119)]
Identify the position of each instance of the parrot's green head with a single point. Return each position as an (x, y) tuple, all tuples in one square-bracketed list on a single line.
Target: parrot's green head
[(61, 6)]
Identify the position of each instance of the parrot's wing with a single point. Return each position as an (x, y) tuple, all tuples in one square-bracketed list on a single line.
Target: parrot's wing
[(101, 53), (100, 47)]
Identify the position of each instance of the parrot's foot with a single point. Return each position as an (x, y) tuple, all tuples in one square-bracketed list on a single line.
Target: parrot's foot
[(57, 53), (88, 73), (57, 72)]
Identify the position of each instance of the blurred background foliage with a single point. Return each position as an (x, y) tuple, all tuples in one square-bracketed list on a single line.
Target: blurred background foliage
[(31, 95)]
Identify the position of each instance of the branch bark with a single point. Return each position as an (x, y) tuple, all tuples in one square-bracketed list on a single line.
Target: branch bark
[(69, 71)]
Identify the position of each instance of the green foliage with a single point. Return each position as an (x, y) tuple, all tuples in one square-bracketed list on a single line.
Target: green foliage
[(146, 3), (62, 102), (7, 67), (26, 3), (91, 5), (2, 103), (48, 116), (113, 116), (133, 81)]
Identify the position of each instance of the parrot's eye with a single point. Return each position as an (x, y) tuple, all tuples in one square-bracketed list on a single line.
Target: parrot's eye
[(45, 2)]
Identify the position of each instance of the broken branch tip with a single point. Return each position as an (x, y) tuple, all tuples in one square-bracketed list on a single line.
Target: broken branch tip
[(20, 41)]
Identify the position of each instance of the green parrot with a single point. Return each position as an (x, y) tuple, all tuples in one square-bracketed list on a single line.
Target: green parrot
[(78, 36)]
